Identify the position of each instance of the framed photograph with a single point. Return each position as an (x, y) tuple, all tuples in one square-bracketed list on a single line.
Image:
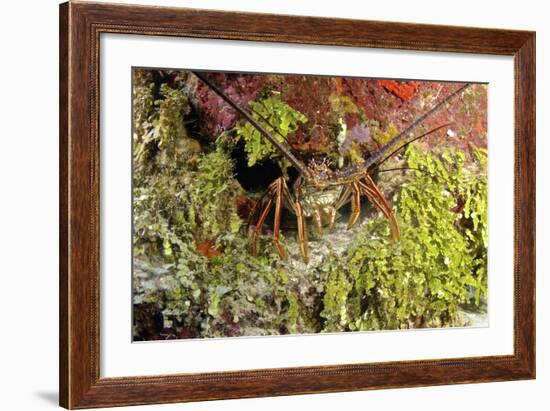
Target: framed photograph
[(258, 205)]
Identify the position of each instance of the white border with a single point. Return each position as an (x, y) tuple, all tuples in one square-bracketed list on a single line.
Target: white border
[(119, 357)]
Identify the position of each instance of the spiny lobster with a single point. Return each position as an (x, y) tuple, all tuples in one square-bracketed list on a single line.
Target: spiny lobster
[(320, 191)]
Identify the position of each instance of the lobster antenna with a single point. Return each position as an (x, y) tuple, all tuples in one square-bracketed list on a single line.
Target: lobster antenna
[(413, 140), (284, 151), (395, 144), (269, 124), (382, 154)]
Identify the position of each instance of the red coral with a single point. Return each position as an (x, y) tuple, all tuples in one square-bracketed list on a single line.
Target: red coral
[(405, 90)]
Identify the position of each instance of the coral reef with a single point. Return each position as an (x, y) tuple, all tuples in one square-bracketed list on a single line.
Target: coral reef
[(194, 275)]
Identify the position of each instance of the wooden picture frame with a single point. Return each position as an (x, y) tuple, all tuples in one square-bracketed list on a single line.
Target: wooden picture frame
[(80, 27)]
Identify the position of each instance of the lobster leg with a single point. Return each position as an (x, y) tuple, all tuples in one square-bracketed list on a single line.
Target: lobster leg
[(332, 211), (277, 193), (318, 221), (374, 199), (394, 225), (375, 196), (287, 197), (259, 203), (332, 216), (259, 225), (277, 222), (344, 197), (302, 234), (355, 205)]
